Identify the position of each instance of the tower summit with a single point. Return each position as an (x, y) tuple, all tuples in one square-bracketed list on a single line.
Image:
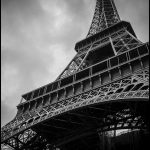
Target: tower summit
[(103, 89)]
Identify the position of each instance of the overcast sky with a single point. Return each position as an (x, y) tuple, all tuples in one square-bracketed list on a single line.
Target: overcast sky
[(38, 39)]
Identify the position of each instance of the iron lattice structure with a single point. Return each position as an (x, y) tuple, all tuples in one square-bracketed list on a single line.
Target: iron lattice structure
[(104, 88)]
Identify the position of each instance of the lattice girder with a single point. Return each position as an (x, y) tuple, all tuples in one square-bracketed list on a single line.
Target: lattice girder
[(20, 140), (105, 16), (121, 41)]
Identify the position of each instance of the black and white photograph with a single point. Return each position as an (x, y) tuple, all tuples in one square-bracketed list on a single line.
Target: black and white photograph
[(75, 75)]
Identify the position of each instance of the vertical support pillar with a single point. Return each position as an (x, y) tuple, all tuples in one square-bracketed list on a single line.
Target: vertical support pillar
[(49, 99), (112, 46), (105, 141), (132, 140), (101, 140), (113, 144)]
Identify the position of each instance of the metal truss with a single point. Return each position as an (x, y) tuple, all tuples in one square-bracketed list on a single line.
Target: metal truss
[(125, 42), (120, 41), (28, 139), (19, 141), (76, 64), (105, 16)]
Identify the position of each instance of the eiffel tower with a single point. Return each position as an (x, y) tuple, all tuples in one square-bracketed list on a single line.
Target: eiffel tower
[(105, 88)]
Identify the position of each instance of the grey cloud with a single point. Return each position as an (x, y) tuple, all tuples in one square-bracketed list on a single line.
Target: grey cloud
[(22, 7), (137, 13), (7, 113)]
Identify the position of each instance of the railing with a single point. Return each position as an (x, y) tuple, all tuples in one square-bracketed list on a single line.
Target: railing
[(114, 62)]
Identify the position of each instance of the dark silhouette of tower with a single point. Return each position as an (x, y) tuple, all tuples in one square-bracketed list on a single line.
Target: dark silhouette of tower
[(103, 89)]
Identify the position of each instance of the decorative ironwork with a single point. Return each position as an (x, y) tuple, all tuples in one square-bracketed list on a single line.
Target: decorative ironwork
[(93, 78)]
